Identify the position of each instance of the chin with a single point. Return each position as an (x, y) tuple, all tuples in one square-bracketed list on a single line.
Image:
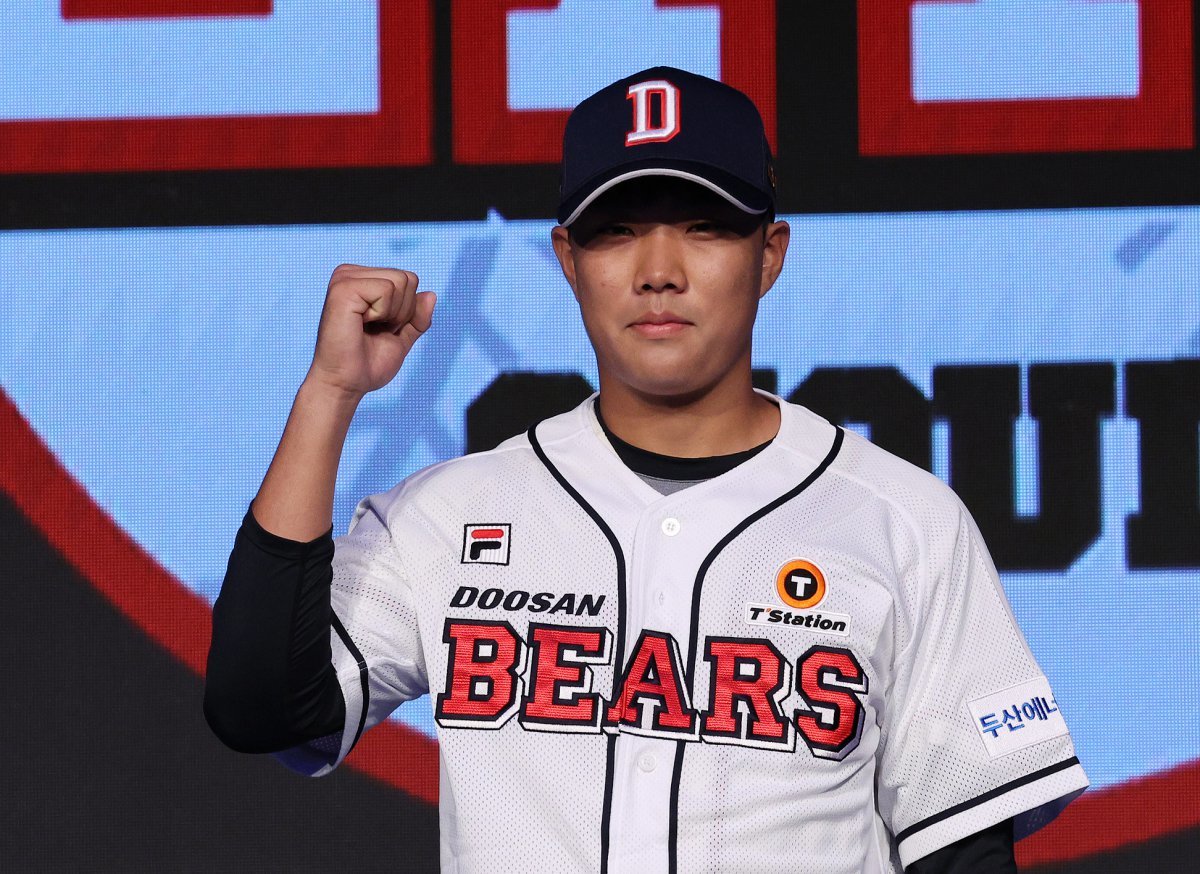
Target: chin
[(684, 388)]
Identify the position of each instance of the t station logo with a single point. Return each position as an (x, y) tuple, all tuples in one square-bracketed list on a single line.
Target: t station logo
[(800, 584)]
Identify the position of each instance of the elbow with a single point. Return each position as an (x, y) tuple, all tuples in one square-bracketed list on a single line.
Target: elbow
[(238, 724)]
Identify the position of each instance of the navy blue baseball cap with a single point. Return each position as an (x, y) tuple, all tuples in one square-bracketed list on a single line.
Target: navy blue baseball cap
[(667, 122)]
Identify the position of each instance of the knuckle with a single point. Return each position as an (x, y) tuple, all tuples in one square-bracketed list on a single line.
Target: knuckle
[(396, 277)]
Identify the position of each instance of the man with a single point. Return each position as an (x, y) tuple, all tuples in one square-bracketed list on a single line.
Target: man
[(685, 626)]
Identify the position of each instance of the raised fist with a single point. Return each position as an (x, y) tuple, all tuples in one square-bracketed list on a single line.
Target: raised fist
[(371, 319)]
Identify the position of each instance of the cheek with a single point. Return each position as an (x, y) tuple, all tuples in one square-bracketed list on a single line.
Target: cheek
[(738, 287), (598, 294), (597, 318)]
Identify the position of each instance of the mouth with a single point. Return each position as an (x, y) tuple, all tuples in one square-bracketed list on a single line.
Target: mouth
[(662, 324)]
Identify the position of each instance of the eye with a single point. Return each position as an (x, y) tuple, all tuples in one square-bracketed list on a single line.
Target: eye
[(615, 230), (704, 226)]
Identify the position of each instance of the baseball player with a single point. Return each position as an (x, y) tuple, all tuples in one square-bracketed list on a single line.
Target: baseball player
[(686, 626)]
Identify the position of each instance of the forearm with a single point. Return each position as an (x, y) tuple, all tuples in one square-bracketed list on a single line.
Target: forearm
[(270, 682), (295, 500)]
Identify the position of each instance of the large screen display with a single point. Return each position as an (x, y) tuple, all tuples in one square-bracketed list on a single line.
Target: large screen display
[(974, 282)]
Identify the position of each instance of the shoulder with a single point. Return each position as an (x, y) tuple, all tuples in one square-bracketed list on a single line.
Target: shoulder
[(912, 495)]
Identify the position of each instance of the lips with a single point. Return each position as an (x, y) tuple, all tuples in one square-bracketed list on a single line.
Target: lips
[(660, 324)]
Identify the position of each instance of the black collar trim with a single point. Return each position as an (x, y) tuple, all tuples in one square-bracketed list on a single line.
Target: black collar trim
[(669, 467)]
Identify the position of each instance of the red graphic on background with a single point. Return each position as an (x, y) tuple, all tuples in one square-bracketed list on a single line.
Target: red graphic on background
[(892, 123), (399, 134), (151, 599), (486, 131), (162, 8)]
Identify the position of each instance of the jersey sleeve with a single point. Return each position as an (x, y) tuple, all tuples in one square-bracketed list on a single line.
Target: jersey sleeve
[(972, 734), (375, 640)]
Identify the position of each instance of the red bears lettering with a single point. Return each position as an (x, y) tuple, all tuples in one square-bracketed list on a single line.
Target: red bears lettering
[(550, 683), (830, 679), (482, 674), (654, 681), (755, 674), (560, 696)]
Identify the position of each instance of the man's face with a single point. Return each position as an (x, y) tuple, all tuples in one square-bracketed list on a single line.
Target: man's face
[(668, 276)]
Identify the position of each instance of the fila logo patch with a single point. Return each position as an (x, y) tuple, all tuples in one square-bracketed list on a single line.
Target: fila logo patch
[(1017, 717), (486, 544), (654, 101)]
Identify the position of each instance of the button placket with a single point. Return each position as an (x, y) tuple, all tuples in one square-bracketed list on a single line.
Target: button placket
[(659, 565)]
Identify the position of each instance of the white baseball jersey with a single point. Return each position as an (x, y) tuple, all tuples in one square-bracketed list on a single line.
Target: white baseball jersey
[(806, 664)]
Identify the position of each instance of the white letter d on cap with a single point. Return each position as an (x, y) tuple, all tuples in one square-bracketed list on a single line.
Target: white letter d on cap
[(641, 94)]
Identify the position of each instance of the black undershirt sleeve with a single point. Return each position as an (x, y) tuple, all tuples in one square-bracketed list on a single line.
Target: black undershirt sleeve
[(270, 683), (986, 852)]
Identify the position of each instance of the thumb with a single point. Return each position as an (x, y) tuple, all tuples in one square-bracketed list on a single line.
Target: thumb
[(422, 316), (418, 324)]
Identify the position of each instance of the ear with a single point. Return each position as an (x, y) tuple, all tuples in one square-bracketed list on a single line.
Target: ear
[(776, 237), (561, 241)]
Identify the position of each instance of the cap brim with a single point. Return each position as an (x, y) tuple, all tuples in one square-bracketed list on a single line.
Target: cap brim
[(740, 202)]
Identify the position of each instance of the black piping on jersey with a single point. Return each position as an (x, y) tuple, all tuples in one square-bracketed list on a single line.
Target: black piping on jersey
[(690, 667), (606, 816), (362, 673), (985, 797)]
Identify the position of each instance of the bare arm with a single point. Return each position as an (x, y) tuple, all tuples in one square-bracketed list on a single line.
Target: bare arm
[(371, 318)]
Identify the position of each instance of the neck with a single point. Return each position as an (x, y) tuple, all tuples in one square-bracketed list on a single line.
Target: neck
[(722, 421)]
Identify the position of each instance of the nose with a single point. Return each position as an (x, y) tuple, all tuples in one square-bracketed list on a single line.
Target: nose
[(660, 265)]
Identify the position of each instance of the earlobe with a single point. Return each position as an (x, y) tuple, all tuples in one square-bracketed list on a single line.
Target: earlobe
[(561, 241), (775, 243)]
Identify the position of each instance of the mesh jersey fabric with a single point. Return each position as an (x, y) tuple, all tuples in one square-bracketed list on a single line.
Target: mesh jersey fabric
[(877, 761)]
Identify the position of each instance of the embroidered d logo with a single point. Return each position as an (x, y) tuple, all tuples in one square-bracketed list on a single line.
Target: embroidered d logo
[(655, 112)]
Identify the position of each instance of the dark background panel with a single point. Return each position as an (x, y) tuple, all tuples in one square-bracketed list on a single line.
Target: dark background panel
[(1173, 854), (109, 765)]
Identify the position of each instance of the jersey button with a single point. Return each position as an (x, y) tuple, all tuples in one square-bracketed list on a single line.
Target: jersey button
[(670, 526), (647, 762)]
